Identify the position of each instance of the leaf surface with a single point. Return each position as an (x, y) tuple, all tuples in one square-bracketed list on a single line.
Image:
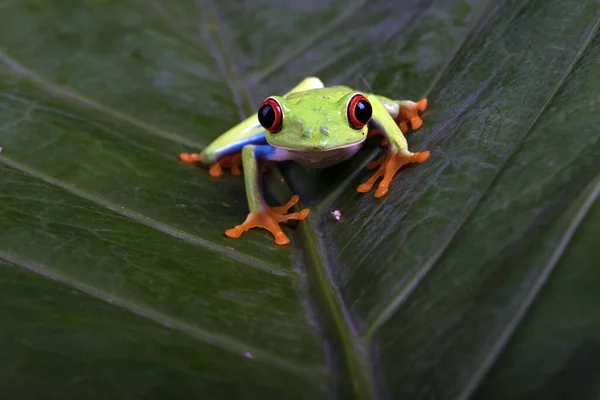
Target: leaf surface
[(474, 277)]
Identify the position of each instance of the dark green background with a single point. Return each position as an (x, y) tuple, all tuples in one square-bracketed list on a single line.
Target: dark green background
[(476, 276)]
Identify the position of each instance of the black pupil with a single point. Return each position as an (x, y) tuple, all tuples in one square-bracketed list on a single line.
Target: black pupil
[(266, 116), (363, 111)]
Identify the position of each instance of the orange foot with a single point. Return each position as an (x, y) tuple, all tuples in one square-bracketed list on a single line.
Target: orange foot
[(388, 165), (231, 161), (406, 115), (410, 114), (270, 218), (374, 132)]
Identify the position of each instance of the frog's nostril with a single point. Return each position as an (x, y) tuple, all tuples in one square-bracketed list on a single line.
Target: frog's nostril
[(306, 132)]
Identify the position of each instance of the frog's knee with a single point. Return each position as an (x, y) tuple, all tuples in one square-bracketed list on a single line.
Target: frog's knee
[(208, 157), (314, 82), (311, 82)]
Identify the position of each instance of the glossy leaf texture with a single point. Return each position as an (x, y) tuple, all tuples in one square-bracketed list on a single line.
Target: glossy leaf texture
[(475, 277)]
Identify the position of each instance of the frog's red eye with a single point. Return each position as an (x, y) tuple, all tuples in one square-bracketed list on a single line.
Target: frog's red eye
[(359, 111), (270, 115)]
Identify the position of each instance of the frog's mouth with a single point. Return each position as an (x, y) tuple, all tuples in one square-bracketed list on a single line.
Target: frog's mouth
[(322, 158), (320, 149)]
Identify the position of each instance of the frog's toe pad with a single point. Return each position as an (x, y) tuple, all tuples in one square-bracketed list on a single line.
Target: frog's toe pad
[(389, 164), (189, 157), (409, 114), (269, 218)]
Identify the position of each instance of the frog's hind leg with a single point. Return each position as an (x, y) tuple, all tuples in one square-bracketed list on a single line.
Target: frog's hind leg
[(404, 112), (408, 113), (233, 162), (225, 151)]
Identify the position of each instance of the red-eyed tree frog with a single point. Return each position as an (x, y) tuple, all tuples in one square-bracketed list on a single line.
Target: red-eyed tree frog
[(316, 126)]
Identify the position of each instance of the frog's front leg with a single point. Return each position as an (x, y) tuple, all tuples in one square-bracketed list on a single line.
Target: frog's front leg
[(261, 214), (397, 152)]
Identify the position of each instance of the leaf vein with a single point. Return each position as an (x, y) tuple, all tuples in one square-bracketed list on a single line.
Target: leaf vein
[(336, 191), (19, 71), (495, 350), (139, 218), (423, 269), (276, 64), (221, 341), (235, 82)]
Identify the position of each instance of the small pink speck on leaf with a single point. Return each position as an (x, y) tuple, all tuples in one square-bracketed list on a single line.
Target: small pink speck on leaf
[(248, 355), (1, 149), (336, 214)]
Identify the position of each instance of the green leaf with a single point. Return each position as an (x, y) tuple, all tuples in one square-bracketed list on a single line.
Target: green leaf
[(475, 277)]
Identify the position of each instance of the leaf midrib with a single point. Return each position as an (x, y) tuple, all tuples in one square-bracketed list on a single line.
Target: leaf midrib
[(355, 362), (53, 89), (354, 351)]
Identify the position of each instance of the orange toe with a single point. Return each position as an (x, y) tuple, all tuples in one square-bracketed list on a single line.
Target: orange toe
[(389, 164), (215, 170), (376, 163), (232, 162), (374, 132), (410, 115), (416, 123), (189, 157), (422, 156), (281, 239), (236, 170), (234, 233)]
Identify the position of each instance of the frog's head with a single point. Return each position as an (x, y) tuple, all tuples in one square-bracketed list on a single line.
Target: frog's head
[(315, 120)]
